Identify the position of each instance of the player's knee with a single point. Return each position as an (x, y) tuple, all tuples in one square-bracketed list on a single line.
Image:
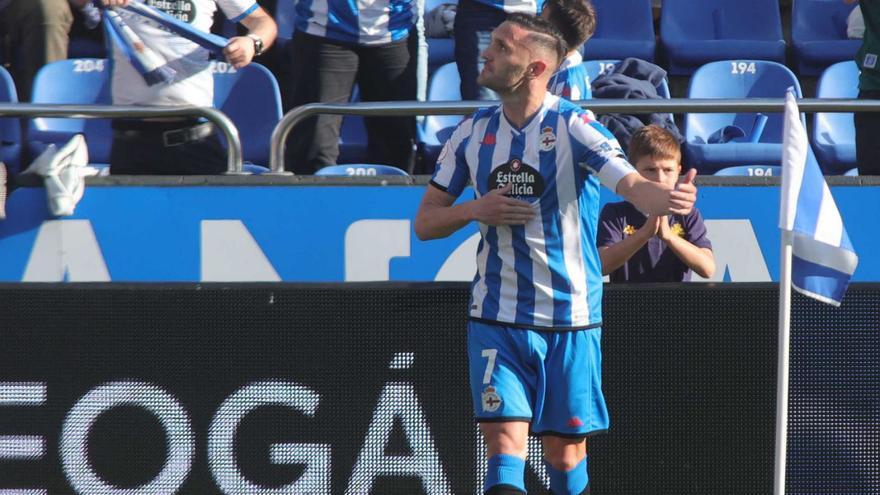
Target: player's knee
[(563, 462), (503, 444), (573, 481), (506, 438), (564, 454)]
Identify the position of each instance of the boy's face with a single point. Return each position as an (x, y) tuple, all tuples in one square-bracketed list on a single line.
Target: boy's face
[(663, 170)]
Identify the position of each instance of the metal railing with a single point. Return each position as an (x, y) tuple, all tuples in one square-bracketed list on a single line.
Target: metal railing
[(234, 163), (599, 106)]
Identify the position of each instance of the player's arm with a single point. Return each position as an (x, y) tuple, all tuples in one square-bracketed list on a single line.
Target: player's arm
[(241, 49), (655, 198), (616, 255), (438, 217), (699, 259)]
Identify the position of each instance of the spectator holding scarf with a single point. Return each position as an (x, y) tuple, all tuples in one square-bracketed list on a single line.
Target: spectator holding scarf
[(163, 60)]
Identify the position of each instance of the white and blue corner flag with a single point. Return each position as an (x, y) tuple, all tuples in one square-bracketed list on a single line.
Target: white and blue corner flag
[(823, 259)]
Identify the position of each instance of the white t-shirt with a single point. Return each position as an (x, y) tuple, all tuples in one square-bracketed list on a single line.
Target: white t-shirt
[(194, 83)]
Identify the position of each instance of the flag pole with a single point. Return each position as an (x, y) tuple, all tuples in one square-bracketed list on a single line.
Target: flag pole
[(782, 361)]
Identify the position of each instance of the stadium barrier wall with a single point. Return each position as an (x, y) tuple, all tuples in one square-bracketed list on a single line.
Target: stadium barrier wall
[(264, 229), (362, 389)]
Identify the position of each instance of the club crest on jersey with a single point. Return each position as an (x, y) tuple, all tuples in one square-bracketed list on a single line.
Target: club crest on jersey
[(548, 139), (527, 182), (491, 400)]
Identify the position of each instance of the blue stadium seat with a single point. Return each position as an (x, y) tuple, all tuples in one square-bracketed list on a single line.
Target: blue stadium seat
[(84, 81), (360, 169), (443, 86), (441, 51), (818, 32), (853, 172), (696, 32), (752, 171), (251, 99), (10, 129), (625, 28), (596, 68), (834, 134), (710, 140)]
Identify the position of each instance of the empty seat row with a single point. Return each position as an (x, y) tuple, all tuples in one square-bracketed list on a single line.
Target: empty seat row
[(693, 33), (717, 140)]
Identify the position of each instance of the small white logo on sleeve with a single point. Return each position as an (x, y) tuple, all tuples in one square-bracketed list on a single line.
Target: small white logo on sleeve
[(870, 60)]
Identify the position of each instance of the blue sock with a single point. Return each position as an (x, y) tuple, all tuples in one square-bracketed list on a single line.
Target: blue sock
[(572, 482), (506, 470)]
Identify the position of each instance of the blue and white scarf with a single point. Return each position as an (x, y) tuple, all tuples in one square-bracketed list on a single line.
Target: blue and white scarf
[(150, 64)]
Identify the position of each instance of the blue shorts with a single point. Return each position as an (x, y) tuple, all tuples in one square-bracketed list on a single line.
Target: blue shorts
[(551, 379)]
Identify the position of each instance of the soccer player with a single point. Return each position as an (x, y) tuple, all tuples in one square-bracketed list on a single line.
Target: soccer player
[(576, 20), (638, 248), (535, 162)]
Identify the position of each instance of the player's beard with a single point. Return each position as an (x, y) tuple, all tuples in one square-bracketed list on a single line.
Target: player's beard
[(505, 82)]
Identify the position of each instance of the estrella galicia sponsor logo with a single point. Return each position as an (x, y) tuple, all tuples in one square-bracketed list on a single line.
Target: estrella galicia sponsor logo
[(184, 10), (527, 182)]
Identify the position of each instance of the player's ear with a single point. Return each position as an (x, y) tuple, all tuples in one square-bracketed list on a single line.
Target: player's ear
[(536, 69)]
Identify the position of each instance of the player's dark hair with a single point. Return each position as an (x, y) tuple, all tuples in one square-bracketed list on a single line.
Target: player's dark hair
[(654, 141), (548, 35), (575, 19)]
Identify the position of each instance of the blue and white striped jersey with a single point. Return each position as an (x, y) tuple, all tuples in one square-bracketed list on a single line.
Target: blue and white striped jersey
[(571, 80), (547, 273), (512, 6), (364, 22)]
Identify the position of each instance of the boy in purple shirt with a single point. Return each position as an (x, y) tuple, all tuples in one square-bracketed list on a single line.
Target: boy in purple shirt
[(635, 247)]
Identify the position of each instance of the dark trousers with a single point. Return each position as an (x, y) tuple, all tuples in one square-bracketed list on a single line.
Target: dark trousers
[(868, 137), (474, 23), (37, 32), (141, 149), (325, 71)]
